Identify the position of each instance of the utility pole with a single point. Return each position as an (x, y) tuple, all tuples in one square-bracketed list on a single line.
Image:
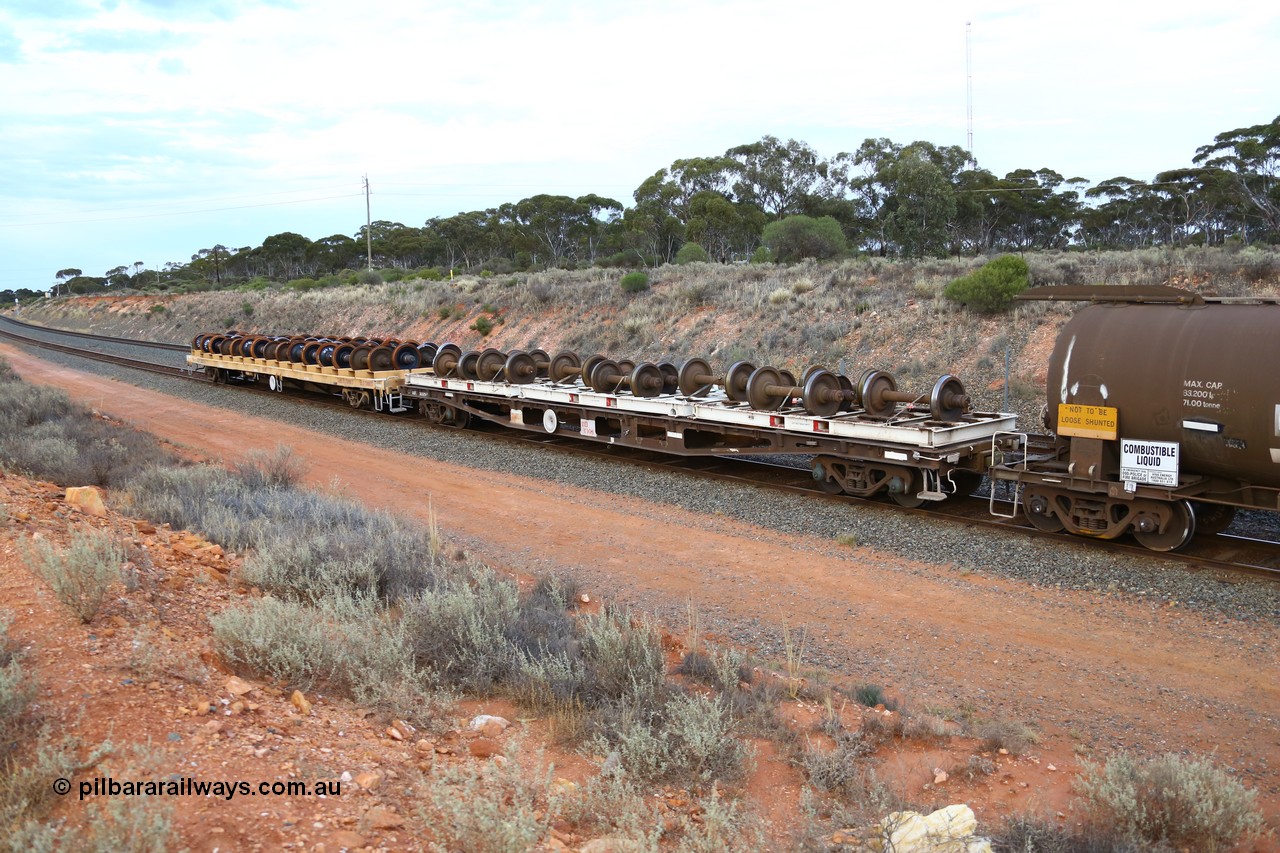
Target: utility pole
[(368, 222)]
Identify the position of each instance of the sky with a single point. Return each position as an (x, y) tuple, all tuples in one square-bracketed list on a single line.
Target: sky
[(146, 130)]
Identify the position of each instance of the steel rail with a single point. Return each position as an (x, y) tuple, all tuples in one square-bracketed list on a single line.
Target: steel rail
[(104, 338)]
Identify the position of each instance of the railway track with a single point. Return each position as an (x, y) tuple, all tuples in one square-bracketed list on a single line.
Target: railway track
[(1233, 554)]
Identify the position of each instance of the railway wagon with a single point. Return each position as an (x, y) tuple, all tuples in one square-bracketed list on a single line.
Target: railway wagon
[(864, 439), (1164, 415)]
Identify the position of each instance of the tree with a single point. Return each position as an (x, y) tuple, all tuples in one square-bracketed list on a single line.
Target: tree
[(924, 206), (1251, 157), (798, 237), (779, 179), (992, 286), (726, 230), (285, 253)]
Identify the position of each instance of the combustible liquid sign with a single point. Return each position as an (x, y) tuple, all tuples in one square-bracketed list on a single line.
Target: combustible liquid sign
[(1152, 462), (1088, 421)]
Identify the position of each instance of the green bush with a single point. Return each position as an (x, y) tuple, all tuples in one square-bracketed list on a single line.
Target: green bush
[(691, 253), (762, 255), (634, 282), (483, 325), (368, 277), (798, 237), (80, 575), (992, 287), (1184, 802), (302, 285), (16, 687)]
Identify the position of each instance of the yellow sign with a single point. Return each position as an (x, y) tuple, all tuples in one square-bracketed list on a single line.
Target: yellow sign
[(1088, 421)]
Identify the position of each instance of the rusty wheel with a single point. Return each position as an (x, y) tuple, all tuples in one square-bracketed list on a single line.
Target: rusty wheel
[(875, 384), (427, 354), (279, 351), (406, 356), (360, 357), (541, 361), (606, 376), (948, 401), (324, 355), (646, 380), (309, 352), (296, 346), (695, 378), (735, 380), (1177, 530), (588, 366), (489, 365), (342, 356), (382, 358), (625, 366), (809, 371), (758, 395), (467, 364), (904, 489), (823, 394), (520, 369), (565, 366), (670, 377), (445, 363), (1038, 507), (850, 401)]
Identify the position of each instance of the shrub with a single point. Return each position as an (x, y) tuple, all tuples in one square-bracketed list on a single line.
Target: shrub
[(691, 253), (1186, 802), (687, 737), (80, 575), (483, 325), (798, 237), (368, 277), (300, 284), (992, 287), (16, 687), (840, 769), (762, 255), (1006, 734), (635, 282)]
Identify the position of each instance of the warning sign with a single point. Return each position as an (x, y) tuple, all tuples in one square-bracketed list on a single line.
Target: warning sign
[(1152, 462), (1088, 421)]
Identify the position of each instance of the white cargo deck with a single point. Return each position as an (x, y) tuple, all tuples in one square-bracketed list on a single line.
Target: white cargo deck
[(909, 427)]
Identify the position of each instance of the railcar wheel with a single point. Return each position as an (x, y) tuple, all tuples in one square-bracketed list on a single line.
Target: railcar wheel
[(646, 380), (670, 377), (564, 366), (360, 357), (809, 371), (296, 346), (906, 492), (541, 362), (1177, 532), (823, 479), (850, 401), (625, 366), (310, 351), (588, 367), (758, 395), (427, 354), (467, 365), (342, 356), (875, 384), (603, 376), (489, 364), (1212, 518), (324, 355), (444, 415), (822, 394), (382, 358), (735, 380), (690, 384), (445, 364), (520, 369), (279, 351), (406, 356), (1037, 506), (788, 378), (948, 401)]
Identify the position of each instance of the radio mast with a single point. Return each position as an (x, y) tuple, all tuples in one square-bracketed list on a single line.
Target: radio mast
[(968, 69)]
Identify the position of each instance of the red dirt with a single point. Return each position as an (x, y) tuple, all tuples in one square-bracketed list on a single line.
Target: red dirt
[(1091, 672)]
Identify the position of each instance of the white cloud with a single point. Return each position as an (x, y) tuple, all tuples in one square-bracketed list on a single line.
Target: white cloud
[(130, 103)]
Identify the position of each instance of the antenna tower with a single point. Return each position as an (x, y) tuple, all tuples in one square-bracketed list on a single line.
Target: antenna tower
[(968, 70)]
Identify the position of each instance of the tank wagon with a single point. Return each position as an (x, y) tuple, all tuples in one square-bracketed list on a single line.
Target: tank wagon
[(1163, 411), (862, 438)]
